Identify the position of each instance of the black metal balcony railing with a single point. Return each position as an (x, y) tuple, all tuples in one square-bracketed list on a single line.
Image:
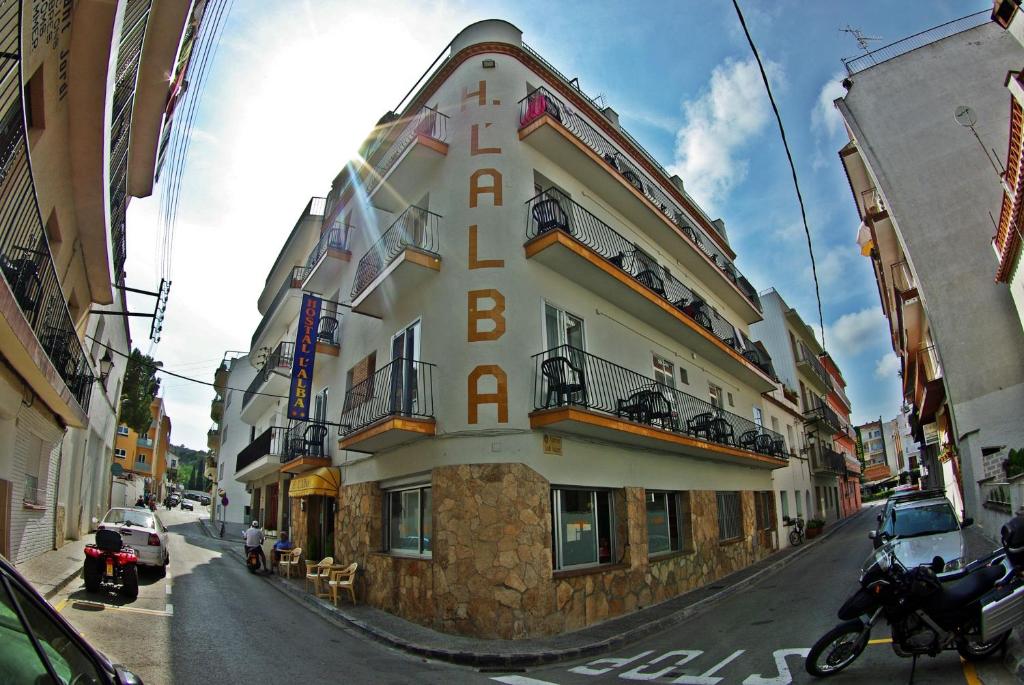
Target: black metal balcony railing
[(822, 412), (298, 439), (541, 101), (415, 227), (25, 258), (335, 238), (812, 361), (292, 281), (278, 361), (404, 387), (824, 458), (427, 122), (327, 330), (553, 210), (567, 376)]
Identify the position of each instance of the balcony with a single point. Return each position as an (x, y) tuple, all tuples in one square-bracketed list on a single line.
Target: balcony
[(269, 384), (412, 147), (220, 379), (930, 390), (822, 416), (328, 258), (392, 407), (568, 239), (142, 467), (213, 439), (399, 262), (827, 461), (277, 312), (262, 456), (306, 448), (145, 442), (568, 140), (328, 334), (840, 392), (813, 369), (580, 393), (217, 409)]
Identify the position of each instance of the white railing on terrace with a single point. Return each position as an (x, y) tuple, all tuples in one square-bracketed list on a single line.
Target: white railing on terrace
[(905, 45)]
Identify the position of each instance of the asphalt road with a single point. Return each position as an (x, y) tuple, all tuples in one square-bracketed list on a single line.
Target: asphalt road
[(760, 635), (211, 621)]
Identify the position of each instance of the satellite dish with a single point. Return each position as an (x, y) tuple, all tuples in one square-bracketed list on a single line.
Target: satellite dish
[(965, 116), (258, 359)]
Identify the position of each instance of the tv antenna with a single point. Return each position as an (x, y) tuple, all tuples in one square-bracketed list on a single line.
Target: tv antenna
[(863, 41), (966, 117)]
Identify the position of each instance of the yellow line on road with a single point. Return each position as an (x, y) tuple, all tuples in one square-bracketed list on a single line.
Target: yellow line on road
[(60, 605), (970, 675), (881, 641)]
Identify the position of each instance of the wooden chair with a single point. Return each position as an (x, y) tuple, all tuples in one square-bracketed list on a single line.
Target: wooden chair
[(289, 560), (343, 579), (318, 572)]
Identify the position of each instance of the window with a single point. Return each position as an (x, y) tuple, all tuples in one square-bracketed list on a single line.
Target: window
[(582, 527), (715, 395), (120, 453), (730, 400), (784, 503), (320, 407), (35, 114), (122, 430), (759, 417), (664, 372), (730, 516), (775, 424), (37, 468), (789, 440), (140, 458), (668, 522), (409, 521), (562, 328), (764, 513), (798, 500), (684, 376), (358, 378)]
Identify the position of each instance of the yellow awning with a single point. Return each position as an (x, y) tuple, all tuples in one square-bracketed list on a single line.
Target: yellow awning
[(323, 481)]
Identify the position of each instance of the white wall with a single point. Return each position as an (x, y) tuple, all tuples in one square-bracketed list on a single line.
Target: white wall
[(234, 435)]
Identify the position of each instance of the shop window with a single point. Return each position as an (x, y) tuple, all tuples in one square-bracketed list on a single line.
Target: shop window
[(668, 523), (409, 520), (583, 527), (730, 516)]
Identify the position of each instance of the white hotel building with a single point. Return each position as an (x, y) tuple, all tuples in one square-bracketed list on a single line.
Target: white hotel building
[(536, 404)]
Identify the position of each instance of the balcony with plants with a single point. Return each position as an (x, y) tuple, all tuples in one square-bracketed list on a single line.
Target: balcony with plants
[(406, 254), (580, 393), (565, 237), (393, 406), (571, 142)]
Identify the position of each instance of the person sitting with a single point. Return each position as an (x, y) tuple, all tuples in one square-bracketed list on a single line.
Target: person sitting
[(282, 545)]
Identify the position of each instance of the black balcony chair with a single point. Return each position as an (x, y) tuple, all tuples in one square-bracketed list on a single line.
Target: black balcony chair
[(565, 381), (700, 425), (633, 179), (729, 270), (26, 284), (549, 215), (647, 406), (778, 447), (612, 159), (696, 311), (765, 444), (748, 439), (295, 444), (314, 439), (692, 235), (619, 260), (722, 431), (328, 329), (652, 281)]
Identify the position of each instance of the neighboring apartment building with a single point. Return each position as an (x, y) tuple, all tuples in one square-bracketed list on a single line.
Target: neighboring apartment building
[(76, 142), (230, 436), (144, 457), (924, 187), (513, 434), (797, 358), (880, 466), (793, 484), (845, 441)]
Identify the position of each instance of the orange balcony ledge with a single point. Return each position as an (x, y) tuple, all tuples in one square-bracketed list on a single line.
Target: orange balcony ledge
[(386, 433)]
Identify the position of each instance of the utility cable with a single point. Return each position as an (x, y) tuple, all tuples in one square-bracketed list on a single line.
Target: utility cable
[(160, 369), (792, 166)]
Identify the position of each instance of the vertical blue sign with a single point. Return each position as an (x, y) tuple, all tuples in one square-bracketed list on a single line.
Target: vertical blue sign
[(305, 355)]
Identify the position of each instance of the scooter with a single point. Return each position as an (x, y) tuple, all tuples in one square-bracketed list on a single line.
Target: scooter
[(110, 562)]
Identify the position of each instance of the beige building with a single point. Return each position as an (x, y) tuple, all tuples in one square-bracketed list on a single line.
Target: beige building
[(513, 433), (82, 93)]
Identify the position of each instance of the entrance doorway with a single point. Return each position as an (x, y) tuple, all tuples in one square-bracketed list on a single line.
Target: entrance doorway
[(319, 527)]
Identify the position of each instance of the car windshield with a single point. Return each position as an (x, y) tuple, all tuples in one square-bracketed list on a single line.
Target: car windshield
[(129, 517), (925, 520)]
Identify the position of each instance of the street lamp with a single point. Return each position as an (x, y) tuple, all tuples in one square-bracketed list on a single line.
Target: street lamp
[(106, 364)]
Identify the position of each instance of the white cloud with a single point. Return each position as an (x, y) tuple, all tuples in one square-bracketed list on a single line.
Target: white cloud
[(718, 124), (852, 333), (825, 118), (887, 366)]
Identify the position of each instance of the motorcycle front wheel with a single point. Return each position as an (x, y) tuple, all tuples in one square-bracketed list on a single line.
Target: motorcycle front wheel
[(836, 649)]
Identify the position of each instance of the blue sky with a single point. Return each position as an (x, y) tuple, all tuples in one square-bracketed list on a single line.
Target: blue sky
[(296, 86)]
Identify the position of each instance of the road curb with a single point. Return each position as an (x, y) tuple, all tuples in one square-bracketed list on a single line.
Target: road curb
[(539, 657), (50, 594), (1013, 659)]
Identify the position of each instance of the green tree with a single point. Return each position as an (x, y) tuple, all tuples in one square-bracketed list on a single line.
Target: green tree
[(137, 393)]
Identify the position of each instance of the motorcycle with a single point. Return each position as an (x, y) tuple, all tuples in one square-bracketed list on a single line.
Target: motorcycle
[(971, 611), (252, 559), (110, 562)]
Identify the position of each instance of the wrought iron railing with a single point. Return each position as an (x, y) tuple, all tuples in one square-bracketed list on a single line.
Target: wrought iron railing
[(541, 101), (335, 238), (568, 376), (415, 227), (840, 391), (278, 361), (905, 45), (427, 122), (25, 258), (825, 459), (554, 210), (271, 442), (929, 355), (292, 281), (811, 360), (405, 387), (820, 411)]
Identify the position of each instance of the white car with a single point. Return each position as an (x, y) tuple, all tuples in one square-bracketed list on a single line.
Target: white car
[(141, 530)]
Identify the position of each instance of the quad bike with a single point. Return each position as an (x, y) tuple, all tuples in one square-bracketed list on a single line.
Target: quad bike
[(110, 562)]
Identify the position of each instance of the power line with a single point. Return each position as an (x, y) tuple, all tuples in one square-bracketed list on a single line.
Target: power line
[(792, 166)]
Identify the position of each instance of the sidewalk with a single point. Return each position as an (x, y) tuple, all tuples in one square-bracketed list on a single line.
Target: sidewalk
[(52, 571), (506, 654), (232, 531)]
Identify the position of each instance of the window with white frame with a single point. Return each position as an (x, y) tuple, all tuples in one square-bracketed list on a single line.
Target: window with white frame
[(120, 453), (583, 527), (562, 328), (668, 522), (798, 500), (664, 371), (758, 417), (715, 395), (784, 503), (122, 430), (789, 440), (409, 521), (730, 515)]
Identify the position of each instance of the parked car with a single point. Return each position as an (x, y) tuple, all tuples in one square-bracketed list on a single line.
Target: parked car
[(142, 531), (204, 500), (919, 529), (186, 505), (899, 495), (25, 618)]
